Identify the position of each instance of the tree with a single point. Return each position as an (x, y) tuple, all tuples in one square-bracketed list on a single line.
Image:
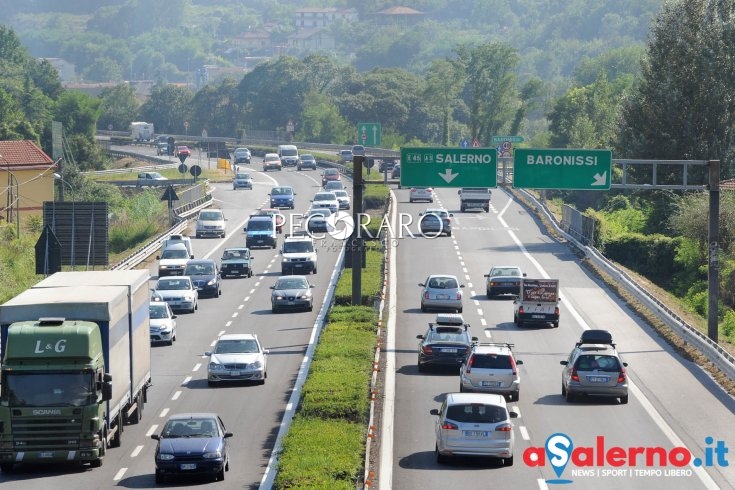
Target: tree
[(491, 92), (442, 93), (168, 108), (322, 123), (683, 108), (119, 107)]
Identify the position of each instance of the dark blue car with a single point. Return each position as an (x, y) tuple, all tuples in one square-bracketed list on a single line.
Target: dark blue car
[(282, 197), (192, 444)]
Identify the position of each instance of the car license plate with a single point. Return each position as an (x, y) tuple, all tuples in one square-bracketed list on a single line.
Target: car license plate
[(449, 351), (234, 373), (598, 379), (442, 296), (475, 433), (540, 317), (490, 384), (188, 466), (46, 454)]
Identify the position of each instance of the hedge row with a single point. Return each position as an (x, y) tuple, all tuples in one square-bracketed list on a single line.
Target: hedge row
[(650, 255)]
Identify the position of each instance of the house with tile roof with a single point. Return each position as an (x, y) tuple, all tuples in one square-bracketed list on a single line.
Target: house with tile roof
[(26, 180)]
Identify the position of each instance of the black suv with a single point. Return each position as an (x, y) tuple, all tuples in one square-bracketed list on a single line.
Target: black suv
[(445, 343)]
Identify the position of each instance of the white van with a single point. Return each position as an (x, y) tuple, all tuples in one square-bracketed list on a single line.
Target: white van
[(289, 155), (178, 239)]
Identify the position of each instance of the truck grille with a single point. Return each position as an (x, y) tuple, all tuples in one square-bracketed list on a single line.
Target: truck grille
[(37, 433)]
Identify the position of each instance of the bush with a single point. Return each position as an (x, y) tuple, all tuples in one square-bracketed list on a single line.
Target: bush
[(372, 278), (376, 196), (653, 256)]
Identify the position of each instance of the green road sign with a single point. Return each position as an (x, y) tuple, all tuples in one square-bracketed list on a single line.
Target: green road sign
[(513, 139), (368, 134), (571, 169), (449, 167)]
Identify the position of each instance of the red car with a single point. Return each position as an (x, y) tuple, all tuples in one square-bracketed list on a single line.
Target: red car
[(182, 150), (330, 175)]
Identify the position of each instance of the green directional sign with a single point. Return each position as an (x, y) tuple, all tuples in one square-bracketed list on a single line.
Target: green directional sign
[(449, 167), (570, 169), (513, 139), (368, 134)]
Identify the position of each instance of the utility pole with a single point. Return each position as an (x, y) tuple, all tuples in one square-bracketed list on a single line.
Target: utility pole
[(713, 270), (356, 241)]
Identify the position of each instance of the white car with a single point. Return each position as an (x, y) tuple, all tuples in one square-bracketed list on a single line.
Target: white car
[(237, 357), (162, 322), (325, 200), (179, 292), (173, 259), (342, 198), (474, 424), (421, 194)]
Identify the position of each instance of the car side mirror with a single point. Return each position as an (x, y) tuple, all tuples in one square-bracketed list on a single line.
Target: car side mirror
[(155, 437), (174, 316), (475, 339), (208, 353), (459, 191), (245, 228), (158, 257), (563, 363), (228, 434), (451, 214), (625, 364), (421, 213), (513, 415), (524, 274), (518, 363), (272, 287), (434, 411), (486, 275), (312, 285), (422, 285), (266, 351), (420, 337), (191, 256), (461, 285)]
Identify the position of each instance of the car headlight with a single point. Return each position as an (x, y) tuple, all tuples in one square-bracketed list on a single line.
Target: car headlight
[(214, 366), (212, 282), (165, 457), (256, 365), (277, 296), (212, 455), (286, 259), (304, 296), (189, 297)]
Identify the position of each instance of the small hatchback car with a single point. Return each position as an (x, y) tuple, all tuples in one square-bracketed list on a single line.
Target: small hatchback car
[(474, 424), (594, 367), (441, 292), (237, 357), (491, 368)]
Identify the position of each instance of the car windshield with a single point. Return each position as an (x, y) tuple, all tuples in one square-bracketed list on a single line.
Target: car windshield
[(477, 413), (210, 216), (242, 151), (325, 196), (289, 152), (292, 283), (439, 212), (341, 193), (598, 363), (269, 158), (199, 269), (243, 176), (281, 191), (297, 247), (173, 284), (171, 253), (194, 427), (233, 254), (319, 212), (260, 225), (440, 336), (507, 271), (331, 171), (490, 361), (158, 311), (236, 346), (307, 157), (443, 283)]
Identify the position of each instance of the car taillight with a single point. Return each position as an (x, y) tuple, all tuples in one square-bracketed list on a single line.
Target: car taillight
[(426, 349), (469, 364), (556, 311), (426, 295), (429, 189), (459, 295), (513, 365), (621, 376), (575, 376), (449, 426), (520, 310), (505, 427)]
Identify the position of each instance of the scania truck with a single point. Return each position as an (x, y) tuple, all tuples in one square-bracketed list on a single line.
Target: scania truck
[(75, 366)]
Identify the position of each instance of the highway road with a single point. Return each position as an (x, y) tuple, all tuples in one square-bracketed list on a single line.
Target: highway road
[(673, 402), (253, 413)]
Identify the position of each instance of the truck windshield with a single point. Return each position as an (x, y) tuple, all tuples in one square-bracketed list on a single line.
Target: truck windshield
[(297, 247), (289, 152), (260, 225), (175, 254), (47, 389)]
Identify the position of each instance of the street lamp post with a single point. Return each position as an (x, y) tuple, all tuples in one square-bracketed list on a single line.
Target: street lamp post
[(58, 176)]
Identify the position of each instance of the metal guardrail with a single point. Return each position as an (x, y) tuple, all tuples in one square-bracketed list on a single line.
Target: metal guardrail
[(715, 353)]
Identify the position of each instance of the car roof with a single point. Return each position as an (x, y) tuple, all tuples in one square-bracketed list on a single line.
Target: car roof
[(193, 415), (597, 348), (491, 348), (449, 319), (271, 155), (331, 171), (483, 398), (201, 261), (442, 275), (237, 248), (175, 246), (238, 336), (173, 278)]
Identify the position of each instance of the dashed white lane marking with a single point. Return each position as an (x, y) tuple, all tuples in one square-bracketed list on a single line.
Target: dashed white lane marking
[(247, 298), (176, 395), (197, 366), (483, 322), (240, 307), (118, 476), (234, 315), (136, 451), (524, 433), (164, 412), (229, 322), (186, 381), (252, 291), (153, 429)]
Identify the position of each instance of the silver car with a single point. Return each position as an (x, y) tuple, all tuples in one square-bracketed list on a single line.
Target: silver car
[(179, 292), (342, 198), (242, 180), (474, 424), (441, 292), (491, 368), (435, 222), (594, 368), (237, 357), (291, 293), (162, 322)]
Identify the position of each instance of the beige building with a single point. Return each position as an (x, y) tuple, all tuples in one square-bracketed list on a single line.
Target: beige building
[(26, 180)]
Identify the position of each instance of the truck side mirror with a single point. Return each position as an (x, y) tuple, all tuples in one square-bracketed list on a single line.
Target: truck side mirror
[(107, 391)]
